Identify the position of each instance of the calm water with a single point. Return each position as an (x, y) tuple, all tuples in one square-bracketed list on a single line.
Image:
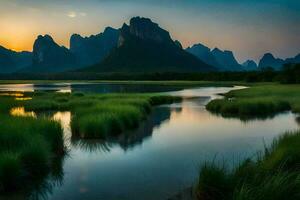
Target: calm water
[(89, 87), (163, 156)]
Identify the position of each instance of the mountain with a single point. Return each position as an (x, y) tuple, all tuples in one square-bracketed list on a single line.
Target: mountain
[(222, 60), (50, 57), (250, 65), (92, 50), (226, 60), (296, 59), (268, 60), (203, 53), (12, 61), (145, 47)]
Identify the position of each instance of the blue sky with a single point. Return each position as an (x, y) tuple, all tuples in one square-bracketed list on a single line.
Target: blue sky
[(247, 27)]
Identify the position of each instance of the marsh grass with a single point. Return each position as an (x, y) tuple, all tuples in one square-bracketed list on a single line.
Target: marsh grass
[(27, 149), (214, 182), (259, 101), (274, 175), (99, 115), (30, 145)]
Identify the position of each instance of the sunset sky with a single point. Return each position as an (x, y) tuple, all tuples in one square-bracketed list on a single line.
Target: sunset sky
[(247, 27)]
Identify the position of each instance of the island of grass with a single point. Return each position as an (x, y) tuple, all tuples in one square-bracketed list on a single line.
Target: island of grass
[(30, 145), (258, 101), (97, 116)]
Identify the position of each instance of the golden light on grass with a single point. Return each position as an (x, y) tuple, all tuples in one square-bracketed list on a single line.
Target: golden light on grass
[(12, 94), (20, 112), (23, 98)]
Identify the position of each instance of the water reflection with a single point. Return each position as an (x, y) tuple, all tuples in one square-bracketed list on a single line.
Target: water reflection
[(65, 120), (12, 94), (88, 87), (298, 120), (127, 140), (162, 156)]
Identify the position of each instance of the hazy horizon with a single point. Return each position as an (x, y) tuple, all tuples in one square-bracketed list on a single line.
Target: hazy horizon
[(248, 28)]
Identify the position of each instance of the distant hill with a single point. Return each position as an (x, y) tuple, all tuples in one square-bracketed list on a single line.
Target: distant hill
[(222, 60), (141, 46), (50, 57), (203, 53), (145, 47), (12, 61), (92, 50), (226, 60), (268, 60), (250, 65)]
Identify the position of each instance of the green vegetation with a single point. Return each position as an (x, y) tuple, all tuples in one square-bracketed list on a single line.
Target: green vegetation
[(31, 145), (28, 147), (273, 175), (258, 101), (99, 115)]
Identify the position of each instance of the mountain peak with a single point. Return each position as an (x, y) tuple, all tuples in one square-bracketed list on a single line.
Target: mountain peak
[(45, 38), (199, 47), (92, 49), (226, 60), (109, 29), (268, 55), (145, 47), (268, 60), (216, 50), (48, 55), (145, 29), (249, 65)]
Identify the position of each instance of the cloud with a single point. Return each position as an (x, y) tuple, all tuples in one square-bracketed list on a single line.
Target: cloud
[(72, 14)]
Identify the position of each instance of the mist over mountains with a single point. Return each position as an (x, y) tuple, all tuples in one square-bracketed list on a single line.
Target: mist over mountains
[(140, 46)]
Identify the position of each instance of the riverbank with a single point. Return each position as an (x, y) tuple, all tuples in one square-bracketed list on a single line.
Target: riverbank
[(272, 174), (31, 144), (258, 101)]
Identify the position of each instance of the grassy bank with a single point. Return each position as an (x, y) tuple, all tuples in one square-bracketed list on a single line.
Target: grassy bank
[(275, 174), (99, 115), (28, 148), (31, 144), (258, 101)]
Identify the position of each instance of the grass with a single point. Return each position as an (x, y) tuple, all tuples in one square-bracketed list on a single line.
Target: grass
[(258, 101), (31, 145), (27, 148), (99, 115), (274, 175)]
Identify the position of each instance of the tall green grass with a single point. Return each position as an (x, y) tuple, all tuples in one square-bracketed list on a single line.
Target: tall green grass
[(274, 175), (27, 149), (258, 101), (100, 115), (30, 146)]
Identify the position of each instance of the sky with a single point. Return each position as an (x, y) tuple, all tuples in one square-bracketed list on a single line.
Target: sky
[(249, 28)]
